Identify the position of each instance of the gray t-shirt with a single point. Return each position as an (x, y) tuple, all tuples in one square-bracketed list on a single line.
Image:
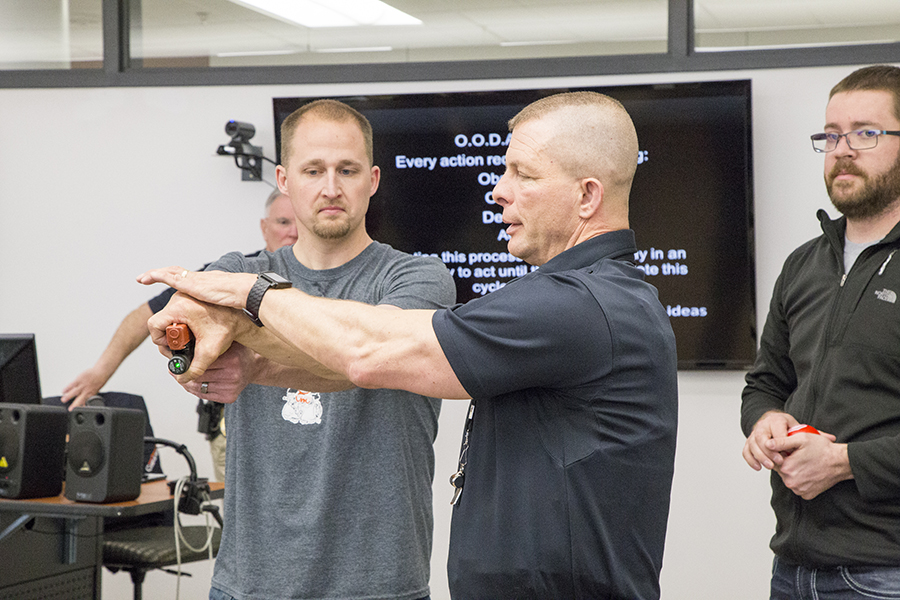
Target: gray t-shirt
[(329, 495), (852, 250)]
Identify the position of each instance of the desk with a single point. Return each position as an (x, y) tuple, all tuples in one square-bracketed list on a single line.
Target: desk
[(53, 547)]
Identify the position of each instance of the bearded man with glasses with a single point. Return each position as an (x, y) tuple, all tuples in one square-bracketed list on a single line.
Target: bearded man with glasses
[(829, 358)]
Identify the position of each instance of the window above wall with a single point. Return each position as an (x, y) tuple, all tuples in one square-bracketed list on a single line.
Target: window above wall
[(222, 33), (745, 24), (52, 43), (51, 34)]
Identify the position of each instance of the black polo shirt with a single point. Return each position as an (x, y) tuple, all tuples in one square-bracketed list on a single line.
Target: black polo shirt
[(571, 452)]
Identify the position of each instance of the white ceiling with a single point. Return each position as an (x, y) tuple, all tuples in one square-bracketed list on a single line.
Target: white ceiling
[(54, 33)]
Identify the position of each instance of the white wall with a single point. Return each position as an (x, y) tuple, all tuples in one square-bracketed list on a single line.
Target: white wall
[(98, 185)]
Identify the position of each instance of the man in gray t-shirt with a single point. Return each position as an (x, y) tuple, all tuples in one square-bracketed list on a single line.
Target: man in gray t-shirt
[(332, 492), (328, 486)]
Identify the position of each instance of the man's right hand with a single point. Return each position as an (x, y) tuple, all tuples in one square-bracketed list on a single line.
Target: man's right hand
[(85, 386), (226, 377), (773, 424), (214, 328)]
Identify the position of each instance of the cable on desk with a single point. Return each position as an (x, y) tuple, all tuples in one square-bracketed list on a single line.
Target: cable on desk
[(191, 496)]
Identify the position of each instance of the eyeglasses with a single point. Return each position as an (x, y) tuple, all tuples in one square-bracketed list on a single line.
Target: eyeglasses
[(861, 139)]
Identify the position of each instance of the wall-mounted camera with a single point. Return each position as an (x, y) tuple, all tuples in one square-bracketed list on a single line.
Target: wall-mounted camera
[(240, 132), (247, 157)]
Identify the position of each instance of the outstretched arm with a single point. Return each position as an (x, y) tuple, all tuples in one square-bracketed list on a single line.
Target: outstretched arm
[(239, 366), (366, 345), (372, 347), (216, 328)]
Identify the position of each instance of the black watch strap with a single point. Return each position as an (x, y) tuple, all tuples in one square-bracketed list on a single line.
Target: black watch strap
[(264, 282)]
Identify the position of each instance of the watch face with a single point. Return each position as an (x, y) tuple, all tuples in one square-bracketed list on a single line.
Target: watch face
[(275, 278)]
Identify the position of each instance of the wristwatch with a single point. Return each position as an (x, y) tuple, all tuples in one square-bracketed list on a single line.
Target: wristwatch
[(264, 282)]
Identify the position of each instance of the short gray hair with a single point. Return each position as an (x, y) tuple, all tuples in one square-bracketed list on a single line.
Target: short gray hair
[(276, 193)]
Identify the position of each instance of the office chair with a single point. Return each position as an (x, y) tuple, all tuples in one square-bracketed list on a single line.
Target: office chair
[(143, 549), (139, 544)]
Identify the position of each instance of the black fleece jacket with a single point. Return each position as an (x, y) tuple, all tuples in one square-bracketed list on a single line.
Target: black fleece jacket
[(830, 356)]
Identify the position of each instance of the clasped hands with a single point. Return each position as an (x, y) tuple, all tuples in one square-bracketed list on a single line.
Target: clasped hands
[(209, 303), (807, 463)]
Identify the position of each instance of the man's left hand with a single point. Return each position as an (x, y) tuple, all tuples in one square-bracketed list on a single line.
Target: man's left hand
[(813, 462), (212, 287)]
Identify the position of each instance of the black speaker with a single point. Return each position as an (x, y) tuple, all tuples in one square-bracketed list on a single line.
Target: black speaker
[(32, 450), (105, 454)]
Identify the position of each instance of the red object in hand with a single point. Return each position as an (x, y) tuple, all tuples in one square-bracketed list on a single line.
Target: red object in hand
[(802, 429), (178, 336), (181, 343)]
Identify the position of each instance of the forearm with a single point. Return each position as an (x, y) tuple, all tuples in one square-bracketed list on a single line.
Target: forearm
[(282, 364), (874, 467), (314, 328), (755, 405), (773, 378), (815, 466), (840, 468), (273, 374), (370, 346), (128, 336)]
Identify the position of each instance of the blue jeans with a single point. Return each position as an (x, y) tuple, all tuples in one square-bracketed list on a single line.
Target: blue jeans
[(793, 582), (217, 594)]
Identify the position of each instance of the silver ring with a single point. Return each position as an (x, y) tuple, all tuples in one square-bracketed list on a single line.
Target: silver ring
[(204, 388), (184, 274)]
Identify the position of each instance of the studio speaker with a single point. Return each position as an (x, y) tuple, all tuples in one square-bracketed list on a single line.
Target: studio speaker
[(105, 454), (32, 450)]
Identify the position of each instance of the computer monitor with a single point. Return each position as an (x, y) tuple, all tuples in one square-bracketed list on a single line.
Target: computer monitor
[(19, 381)]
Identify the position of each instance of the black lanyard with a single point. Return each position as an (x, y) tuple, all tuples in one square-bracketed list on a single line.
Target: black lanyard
[(458, 479)]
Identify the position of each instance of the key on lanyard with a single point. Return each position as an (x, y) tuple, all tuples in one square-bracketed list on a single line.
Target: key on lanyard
[(457, 480)]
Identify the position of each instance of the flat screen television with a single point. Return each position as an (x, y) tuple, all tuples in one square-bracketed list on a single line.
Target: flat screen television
[(19, 381), (691, 204)]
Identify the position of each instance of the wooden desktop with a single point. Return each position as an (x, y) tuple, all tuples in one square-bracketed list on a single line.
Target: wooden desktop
[(53, 547)]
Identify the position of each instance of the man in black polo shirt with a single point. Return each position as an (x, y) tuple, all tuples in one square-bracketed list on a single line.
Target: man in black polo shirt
[(567, 460)]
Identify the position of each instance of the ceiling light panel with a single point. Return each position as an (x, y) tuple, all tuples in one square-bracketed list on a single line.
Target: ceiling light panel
[(335, 13)]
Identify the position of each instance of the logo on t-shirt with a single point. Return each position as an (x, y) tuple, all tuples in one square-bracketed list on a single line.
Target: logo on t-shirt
[(302, 407)]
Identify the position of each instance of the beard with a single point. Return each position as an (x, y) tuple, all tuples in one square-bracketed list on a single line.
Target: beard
[(875, 197), (332, 229)]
